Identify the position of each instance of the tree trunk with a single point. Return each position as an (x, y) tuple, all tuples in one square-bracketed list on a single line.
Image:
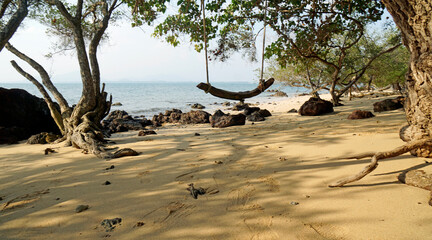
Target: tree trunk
[(414, 19)]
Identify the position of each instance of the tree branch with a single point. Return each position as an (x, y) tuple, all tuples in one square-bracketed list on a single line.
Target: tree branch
[(12, 25), (46, 80), (53, 110)]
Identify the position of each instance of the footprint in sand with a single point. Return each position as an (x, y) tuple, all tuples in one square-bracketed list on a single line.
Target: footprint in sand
[(261, 227), (241, 199), (144, 177), (170, 214), (24, 200), (271, 183)]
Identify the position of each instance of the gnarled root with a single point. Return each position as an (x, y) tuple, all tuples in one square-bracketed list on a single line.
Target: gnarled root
[(383, 155)]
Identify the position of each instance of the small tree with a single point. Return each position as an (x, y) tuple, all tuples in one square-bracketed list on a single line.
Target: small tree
[(84, 22)]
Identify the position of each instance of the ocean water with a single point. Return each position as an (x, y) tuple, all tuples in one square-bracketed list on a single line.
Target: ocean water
[(148, 99)]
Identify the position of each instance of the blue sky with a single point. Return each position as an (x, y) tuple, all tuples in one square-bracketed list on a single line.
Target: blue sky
[(130, 54)]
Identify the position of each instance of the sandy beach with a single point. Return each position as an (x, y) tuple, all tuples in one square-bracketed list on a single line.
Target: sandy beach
[(266, 180)]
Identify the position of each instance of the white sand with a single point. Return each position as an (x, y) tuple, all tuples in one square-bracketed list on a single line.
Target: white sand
[(266, 168)]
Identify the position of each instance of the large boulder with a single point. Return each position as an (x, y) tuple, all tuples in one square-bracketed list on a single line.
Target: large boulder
[(221, 120), (389, 104), (249, 110), (359, 114), (23, 115), (255, 117), (315, 106), (195, 117)]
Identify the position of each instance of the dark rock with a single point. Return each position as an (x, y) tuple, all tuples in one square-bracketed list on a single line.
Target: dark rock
[(226, 104), (195, 117), (81, 208), (110, 224), (359, 114), (106, 183), (111, 167), (389, 104), (197, 134), (117, 104), (23, 115), (222, 120), (146, 132), (293, 111), (121, 121), (240, 106), (145, 122), (255, 117), (197, 106), (249, 110), (42, 138), (125, 152), (315, 106), (264, 112), (279, 94)]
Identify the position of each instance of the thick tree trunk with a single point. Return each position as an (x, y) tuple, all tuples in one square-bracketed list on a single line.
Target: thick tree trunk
[(414, 19)]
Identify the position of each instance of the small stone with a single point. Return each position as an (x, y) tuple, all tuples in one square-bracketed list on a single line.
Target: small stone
[(218, 162), (81, 208), (57, 199), (197, 134), (111, 167), (110, 224), (282, 159), (139, 224), (106, 183), (294, 203)]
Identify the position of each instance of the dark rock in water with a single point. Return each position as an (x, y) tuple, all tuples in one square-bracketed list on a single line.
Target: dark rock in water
[(389, 104), (23, 115), (146, 132), (121, 121), (279, 94), (255, 117), (81, 208), (240, 106), (249, 110), (264, 112), (110, 224), (195, 117), (42, 138), (222, 120), (117, 104), (359, 114), (197, 106), (315, 106), (293, 111)]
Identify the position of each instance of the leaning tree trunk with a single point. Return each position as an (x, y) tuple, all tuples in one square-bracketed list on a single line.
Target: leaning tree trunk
[(414, 19)]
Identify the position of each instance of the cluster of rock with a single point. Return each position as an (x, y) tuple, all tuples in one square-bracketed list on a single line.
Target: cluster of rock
[(23, 115), (389, 104), (177, 116), (316, 106), (121, 121), (43, 138)]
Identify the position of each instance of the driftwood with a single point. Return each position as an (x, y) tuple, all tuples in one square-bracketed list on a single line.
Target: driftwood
[(217, 92), (383, 155)]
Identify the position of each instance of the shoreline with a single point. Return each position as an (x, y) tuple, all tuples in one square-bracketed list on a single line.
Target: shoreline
[(264, 181)]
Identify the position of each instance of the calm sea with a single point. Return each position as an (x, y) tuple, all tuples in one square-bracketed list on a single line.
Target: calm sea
[(148, 99)]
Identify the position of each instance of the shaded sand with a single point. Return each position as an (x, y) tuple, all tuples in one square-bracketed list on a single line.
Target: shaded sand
[(271, 183)]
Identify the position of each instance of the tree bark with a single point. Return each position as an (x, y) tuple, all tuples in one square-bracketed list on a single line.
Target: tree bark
[(414, 19), (14, 22)]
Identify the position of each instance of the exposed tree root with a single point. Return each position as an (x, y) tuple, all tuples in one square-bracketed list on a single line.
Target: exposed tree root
[(383, 155), (125, 152)]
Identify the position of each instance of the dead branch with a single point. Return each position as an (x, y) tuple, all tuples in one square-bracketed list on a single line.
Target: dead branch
[(383, 155)]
